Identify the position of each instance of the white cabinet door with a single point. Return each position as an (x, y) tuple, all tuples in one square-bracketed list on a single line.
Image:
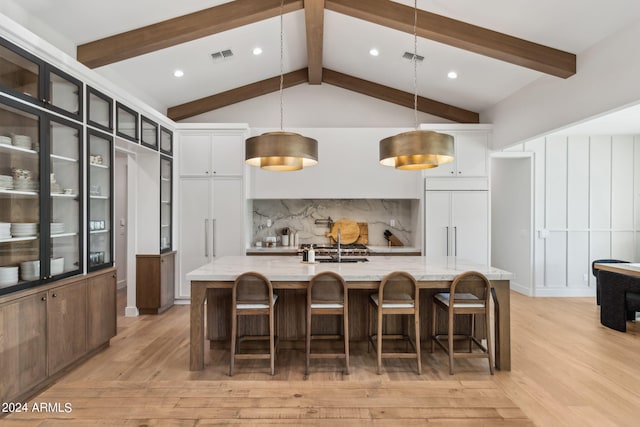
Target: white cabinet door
[(470, 156), (457, 224), (227, 153), (211, 152), (195, 154), (437, 223), (470, 225), (227, 218), (195, 228)]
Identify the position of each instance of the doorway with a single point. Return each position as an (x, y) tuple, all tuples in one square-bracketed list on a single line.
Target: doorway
[(512, 217)]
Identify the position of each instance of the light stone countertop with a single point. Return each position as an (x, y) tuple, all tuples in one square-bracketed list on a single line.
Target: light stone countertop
[(288, 268)]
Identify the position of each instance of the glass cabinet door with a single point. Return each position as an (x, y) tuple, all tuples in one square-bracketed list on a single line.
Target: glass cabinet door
[(99, 110), (64, 93), (166, 203), (19, 72), (100, 206), (166, 141), (149, 135), (65, 207), (20, 245), (126, 122)]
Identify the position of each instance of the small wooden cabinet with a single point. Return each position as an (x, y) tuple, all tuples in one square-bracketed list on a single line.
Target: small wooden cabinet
[(44, 331), (155, 282)]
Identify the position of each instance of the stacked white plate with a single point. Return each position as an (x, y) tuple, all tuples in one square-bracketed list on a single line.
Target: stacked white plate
[(5, 230), (24, 229), (5, 140), (22, 141), (30, 270), (57, 227), (6, 182), (8, 276), (57, 266)]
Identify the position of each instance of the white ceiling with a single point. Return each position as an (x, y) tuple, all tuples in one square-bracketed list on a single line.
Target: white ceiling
[(569, 25)]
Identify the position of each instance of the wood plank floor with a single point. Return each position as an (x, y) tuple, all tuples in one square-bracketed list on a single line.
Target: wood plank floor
[(567, 370)]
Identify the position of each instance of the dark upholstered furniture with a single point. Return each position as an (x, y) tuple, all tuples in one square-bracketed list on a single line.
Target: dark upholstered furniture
[(595, 271), (619, 299)]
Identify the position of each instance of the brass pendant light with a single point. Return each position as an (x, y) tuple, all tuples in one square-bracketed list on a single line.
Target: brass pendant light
[(281, 151), (416, 149)]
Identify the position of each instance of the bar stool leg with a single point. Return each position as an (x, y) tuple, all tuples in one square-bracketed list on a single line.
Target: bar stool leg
[(417, 330), (272, 349), (345, 323), (450, 340), (434, 319), (234, 330), (379, 340), (308, 341), (489, 341)]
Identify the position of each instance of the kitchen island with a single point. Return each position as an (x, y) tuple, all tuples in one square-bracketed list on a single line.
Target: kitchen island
[(290, 274)]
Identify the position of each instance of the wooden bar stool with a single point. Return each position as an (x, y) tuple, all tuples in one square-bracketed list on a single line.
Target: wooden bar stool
[(252, 295), (398, 294), (470, 293), (327, 294)]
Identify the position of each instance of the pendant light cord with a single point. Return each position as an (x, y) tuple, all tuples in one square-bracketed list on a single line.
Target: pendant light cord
[(281, 64), (415, 63)]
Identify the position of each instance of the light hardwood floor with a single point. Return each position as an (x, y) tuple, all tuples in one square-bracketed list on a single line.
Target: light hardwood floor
[(567, 369)]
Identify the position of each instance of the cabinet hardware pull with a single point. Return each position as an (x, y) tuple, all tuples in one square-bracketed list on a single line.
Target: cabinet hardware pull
[(54, 295), (455, 241), (213, 237), (43, 299), (206, 237), (447, 239)]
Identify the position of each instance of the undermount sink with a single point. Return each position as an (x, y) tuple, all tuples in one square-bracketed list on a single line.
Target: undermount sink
[(343, 260)]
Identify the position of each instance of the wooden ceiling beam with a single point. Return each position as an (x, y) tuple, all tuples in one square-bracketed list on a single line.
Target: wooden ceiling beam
[(243, 93), (460, 34), (399, 97), (314, 20), (182, 29)]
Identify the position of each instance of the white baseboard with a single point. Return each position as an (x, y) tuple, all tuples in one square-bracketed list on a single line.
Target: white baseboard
[(524, 290), (131, 312), (564, 292), (181, 301)]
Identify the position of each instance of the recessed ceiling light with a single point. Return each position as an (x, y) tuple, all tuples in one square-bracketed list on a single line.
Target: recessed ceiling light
[(257, 51), (452, 75), (178, 73), (374, 52)]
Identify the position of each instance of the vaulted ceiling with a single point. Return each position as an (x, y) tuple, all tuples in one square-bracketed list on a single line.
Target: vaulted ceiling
[(495, 46)]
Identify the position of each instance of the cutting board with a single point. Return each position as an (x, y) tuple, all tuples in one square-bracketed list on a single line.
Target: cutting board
[(349, 231), (364, 233)]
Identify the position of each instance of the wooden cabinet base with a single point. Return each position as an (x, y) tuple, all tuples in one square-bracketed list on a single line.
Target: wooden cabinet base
[(47, 330), (155, 282)]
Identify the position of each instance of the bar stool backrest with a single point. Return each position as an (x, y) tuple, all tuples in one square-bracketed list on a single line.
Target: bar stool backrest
[(327, 287), (471, 282), (252, 288), (397, 287)]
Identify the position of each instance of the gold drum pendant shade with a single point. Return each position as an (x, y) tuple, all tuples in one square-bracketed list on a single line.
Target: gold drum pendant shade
[(417, 149), (281, 151)]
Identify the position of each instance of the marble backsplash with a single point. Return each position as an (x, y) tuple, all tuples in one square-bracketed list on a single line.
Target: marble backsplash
[(300, 215)]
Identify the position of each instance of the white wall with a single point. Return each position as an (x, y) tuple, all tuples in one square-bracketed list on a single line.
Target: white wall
[(587, 206), (606, 79), (316, 106), (511, 219)]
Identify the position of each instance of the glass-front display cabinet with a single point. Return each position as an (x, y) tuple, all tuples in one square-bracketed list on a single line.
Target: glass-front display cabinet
[(100, 206), (27, 77), (126, 122), (166, 141), (166, 203), (65, 197), (149, 134), (40, 206), (99, 110)]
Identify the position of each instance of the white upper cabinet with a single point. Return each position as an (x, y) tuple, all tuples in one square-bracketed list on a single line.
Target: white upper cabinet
[(211, 152), (471, 152), (348, 167)]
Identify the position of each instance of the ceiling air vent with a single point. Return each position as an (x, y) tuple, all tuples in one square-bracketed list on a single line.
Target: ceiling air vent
[(222, 55), (409, 56)]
